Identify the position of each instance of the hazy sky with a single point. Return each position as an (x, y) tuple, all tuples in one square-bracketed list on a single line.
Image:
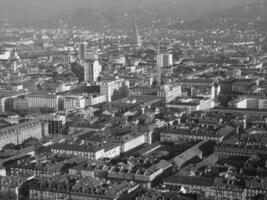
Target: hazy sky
[(48, 8)]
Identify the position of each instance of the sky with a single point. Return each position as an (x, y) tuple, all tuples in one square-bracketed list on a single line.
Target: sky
[(41, 9)]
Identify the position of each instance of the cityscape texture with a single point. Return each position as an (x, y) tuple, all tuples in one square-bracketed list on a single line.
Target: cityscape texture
[(133, 100)]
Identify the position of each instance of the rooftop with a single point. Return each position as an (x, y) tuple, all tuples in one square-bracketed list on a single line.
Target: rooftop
[(93, 187), (190, 180)]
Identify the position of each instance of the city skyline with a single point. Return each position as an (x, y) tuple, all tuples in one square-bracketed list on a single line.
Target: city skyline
[(133, 100)]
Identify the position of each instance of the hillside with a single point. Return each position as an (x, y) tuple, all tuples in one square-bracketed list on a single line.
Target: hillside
[(97, 13), (239, 16)]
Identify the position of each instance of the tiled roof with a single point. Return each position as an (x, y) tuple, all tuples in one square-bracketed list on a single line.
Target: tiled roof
[(190, 180)]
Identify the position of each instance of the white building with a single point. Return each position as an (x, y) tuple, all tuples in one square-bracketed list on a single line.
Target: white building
[(170, 92), (164, 60), (16, 134), (108, 88), (83, 50), (74, 101), (206, 104), (252, 103), (132, 142), (90, 152), (92, 70), (93, 100), (43, 100)]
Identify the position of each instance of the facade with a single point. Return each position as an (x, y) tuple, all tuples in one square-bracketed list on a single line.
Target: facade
[(95, 99), (164, 60), (167, 93), (252, 103), (188, 106), (85, 151), (115, 172), (55, 125), (74, 101), (114, 89), (18, 133), (176, 135), (170, 92), (43, 100), (83, 50), (191, 184), (131, 144), (92, 70), (218, 188), (239, 150), (129, 141), (21, 104), (11, 188), (248, 103), (243, 85), (5, 97), (41, 167), (83, 189), (199, 87)]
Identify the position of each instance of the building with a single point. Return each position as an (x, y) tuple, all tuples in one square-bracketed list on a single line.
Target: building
[(67, 86), (244, 85), (43, 101), (114, 89), (219, 188), (259, 103), (170, 92), (74, 101), (167, 93), (199, 133), (136, 171), (248, 103), (183, 105), (78, 188), (164, 60), (190, 184), (55, 123), (42, 167), (18, 133), (83, 50), (131, 142), (20, 104), (87, 113), (199, 87), (5, 97), (227, 189), (11, 187), (134, 38), (92, 152), (95, 99), (239, 150), (92, 70), (256, 186)]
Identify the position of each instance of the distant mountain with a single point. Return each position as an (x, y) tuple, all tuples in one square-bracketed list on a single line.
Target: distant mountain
[(119, 13), (103, 13), (239, 16)]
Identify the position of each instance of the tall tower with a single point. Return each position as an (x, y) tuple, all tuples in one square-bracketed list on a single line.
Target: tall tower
[(138, 36), (158, 67), (83, 50), (134, 37), (164, 60), (92, 70)]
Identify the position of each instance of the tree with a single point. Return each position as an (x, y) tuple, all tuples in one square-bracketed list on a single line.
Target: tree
[(77, 69)]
